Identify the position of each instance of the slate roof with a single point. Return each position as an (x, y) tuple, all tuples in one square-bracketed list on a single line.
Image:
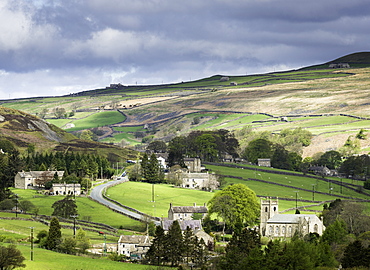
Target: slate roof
[(189, 209), (134, 239), (192, 224), (289, 218)]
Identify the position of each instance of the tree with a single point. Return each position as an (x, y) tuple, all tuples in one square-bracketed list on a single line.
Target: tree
[(241, 244), (83, 242), (259, 148), (157, 146), (65, 207), (236, 204), (54, 237), (26, 205), (59, 112), (174, 244), (361, 134), (207, 147), (157, 251), (355, 255), (331, 159), (11, 258), (68, 245)]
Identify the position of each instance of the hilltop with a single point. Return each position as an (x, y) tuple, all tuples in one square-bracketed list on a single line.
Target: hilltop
[(130, 114)]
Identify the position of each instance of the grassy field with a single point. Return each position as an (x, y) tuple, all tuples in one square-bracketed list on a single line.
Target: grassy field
[(98, 119), (139, 196), (86, 209), (44, 260)]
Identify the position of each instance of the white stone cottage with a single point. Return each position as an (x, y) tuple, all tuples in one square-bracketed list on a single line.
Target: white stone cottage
[(30, 179), (66, 189), (275, 225), (134, 246), (186, 212)]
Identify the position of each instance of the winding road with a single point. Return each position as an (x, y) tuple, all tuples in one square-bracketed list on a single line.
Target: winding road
[(97, 195)]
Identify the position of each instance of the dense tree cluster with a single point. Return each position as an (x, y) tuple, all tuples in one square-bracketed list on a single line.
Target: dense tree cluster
[(244, 252), (208, 145), (174, 248), (148, 170), (82, 165), (10, 164)]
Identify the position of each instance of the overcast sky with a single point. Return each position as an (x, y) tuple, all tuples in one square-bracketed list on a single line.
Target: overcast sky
[(57, 47)]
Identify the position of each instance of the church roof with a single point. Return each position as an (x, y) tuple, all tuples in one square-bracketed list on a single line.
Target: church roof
[(290, 218)]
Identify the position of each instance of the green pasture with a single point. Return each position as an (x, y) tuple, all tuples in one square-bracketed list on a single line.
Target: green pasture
[(85, 207), (59, 122), (139, 196), (118, 137), (128, 129), (19, 230), (45, 259), (264, 189), (318, 125), (98, 119)]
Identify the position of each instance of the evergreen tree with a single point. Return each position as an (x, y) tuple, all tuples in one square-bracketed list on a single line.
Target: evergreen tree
[(156, 252), (239, 247), (190, 243), (145, 166), (54, 237), (174, 244), (355, 255)]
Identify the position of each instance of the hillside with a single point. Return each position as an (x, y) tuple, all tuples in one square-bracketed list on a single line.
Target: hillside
[(308, 97), (24, 129)]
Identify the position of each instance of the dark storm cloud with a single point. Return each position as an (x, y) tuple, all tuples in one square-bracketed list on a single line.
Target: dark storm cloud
[(166, 40)]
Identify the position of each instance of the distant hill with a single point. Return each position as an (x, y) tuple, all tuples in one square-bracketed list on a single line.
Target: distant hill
[(134, 114), (24, 129), (362, 58)]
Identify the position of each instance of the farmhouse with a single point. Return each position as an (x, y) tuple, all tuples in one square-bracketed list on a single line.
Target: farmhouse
[(66, 189), (264, 162), (30, 179), (186, 212), (273, 224), (203, 181), (134, 246)]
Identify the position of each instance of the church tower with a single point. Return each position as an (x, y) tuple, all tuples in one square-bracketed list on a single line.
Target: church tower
[(269, 208)]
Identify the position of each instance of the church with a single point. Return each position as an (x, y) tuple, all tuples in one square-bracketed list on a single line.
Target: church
[(275, 225)]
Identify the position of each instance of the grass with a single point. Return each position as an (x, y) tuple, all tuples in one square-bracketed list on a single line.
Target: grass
[(139, 196), (98, 119), (45, 260), (85, 207)]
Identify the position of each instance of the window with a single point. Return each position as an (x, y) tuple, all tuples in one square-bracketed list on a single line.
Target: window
[(266, 209), (316, 228), (277, 230)]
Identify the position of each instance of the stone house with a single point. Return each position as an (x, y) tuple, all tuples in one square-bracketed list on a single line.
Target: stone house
[(133, 246), (264, 162), (25, 180), (193, 164), (186, 212), (275, 225), (202, 181), (66, 189)]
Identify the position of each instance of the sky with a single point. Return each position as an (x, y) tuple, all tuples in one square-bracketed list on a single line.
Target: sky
[(58, 47)]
